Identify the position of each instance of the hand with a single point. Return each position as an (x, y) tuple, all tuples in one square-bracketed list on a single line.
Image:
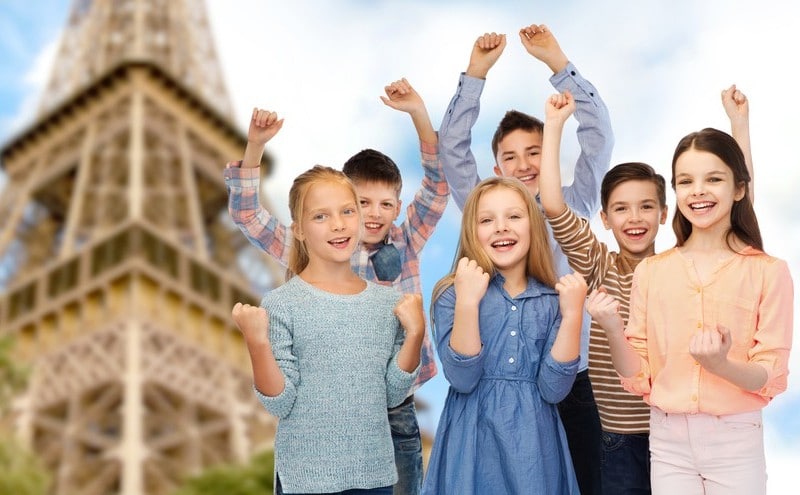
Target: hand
[(471, 281), (540, 42), (571, 294), (735, 103), (410, 313), (252, 322), (710, 347), (263, 126), (604, 308), (485, 52), (400, 95), (559, 107)]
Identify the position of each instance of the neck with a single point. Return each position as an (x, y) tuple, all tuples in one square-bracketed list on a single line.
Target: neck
[(328, 272), (516, 280)]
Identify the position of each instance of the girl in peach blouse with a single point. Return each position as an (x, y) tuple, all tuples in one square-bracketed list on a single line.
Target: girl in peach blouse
[(710, 328)]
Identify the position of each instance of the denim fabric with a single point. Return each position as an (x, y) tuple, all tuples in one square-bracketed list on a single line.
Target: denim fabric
[(407, 448), (578, 412), (626, 463), (384, 490)]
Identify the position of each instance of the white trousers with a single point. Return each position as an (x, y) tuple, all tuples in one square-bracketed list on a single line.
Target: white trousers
[(701, 454)]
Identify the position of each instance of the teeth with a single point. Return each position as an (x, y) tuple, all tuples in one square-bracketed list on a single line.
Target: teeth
[(698, 206), (503, 243), (527, 177), (371, 225), (635, 231)]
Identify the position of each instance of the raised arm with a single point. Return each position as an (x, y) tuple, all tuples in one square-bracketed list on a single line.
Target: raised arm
[(558, 108), (243, 181), (401, 96), (264, 124), (738, 110), (594, 133), (430, 201), (455, 132)]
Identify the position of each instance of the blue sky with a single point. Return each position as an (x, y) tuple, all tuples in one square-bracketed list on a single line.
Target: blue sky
[(322, 65)]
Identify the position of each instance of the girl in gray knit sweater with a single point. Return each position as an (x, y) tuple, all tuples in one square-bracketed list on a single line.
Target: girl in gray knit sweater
[(329, 350)]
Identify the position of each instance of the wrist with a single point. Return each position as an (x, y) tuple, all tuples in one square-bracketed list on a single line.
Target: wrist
[(477, 71)]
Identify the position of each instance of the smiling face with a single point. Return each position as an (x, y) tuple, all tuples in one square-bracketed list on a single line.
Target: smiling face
[(330, 223), (380, 207), (519, 155), (633, 215), (503, 229), (705, 191)]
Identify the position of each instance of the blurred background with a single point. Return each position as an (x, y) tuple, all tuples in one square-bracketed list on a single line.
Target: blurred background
[(118, 264)]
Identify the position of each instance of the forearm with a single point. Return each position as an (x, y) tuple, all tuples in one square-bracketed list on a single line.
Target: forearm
[(568, 341), (252, 155), (465, 338), (626, 360), (424, 127), (740, 130), (455, 139), (408, 356), (747, 376), (267, 375), (550, 194)]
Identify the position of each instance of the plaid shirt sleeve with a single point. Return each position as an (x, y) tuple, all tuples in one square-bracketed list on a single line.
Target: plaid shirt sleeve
[(257, 224), (430, 201), (422, 216)]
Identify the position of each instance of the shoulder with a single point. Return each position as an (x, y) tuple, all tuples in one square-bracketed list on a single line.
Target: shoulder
[(384, 293), (283, 295), (771, 265)]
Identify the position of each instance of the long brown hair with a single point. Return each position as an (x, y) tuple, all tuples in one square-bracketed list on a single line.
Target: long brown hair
[(540, 263), (298, 254), (744, 224)]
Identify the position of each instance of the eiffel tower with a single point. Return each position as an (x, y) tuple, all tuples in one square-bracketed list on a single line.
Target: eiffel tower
[(118, 261)]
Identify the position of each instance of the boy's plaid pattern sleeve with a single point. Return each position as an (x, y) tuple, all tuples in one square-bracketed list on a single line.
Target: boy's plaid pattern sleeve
[(256, 223)]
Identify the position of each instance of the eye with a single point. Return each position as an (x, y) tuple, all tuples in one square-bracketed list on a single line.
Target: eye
[(349, 211), (508, 158), (363, 202), (647, 207), (619, 209), (319, 217), (534, 153), (683, 182), (388, 205), (515, 216), (714, 179), (484, 220)]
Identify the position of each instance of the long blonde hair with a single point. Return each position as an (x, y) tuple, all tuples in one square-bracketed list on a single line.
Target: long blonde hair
[(540, 264), (298, 254)]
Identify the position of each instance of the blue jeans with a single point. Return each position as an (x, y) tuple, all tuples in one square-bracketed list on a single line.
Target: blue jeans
[(581, 421), (626, 463), (407, 448), (384, 490)]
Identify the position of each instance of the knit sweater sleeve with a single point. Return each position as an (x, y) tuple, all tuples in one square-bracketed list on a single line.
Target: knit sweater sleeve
[(280, 338)]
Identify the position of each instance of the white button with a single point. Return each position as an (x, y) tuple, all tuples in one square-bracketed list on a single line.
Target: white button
[(513, 308), (511, 360), (513, 333)]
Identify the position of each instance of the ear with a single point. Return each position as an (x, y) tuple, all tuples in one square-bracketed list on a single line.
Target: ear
[(498, 171), (297, 232), (604, 218), (663, 218), (740, 190), (397, 209)]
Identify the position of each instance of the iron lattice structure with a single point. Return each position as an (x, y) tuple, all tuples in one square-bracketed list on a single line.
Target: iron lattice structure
[(119, 263)]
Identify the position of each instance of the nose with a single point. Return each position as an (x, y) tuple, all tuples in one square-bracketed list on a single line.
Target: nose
[(500, 226), (371, 211), (698, 188), (337, 223)]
